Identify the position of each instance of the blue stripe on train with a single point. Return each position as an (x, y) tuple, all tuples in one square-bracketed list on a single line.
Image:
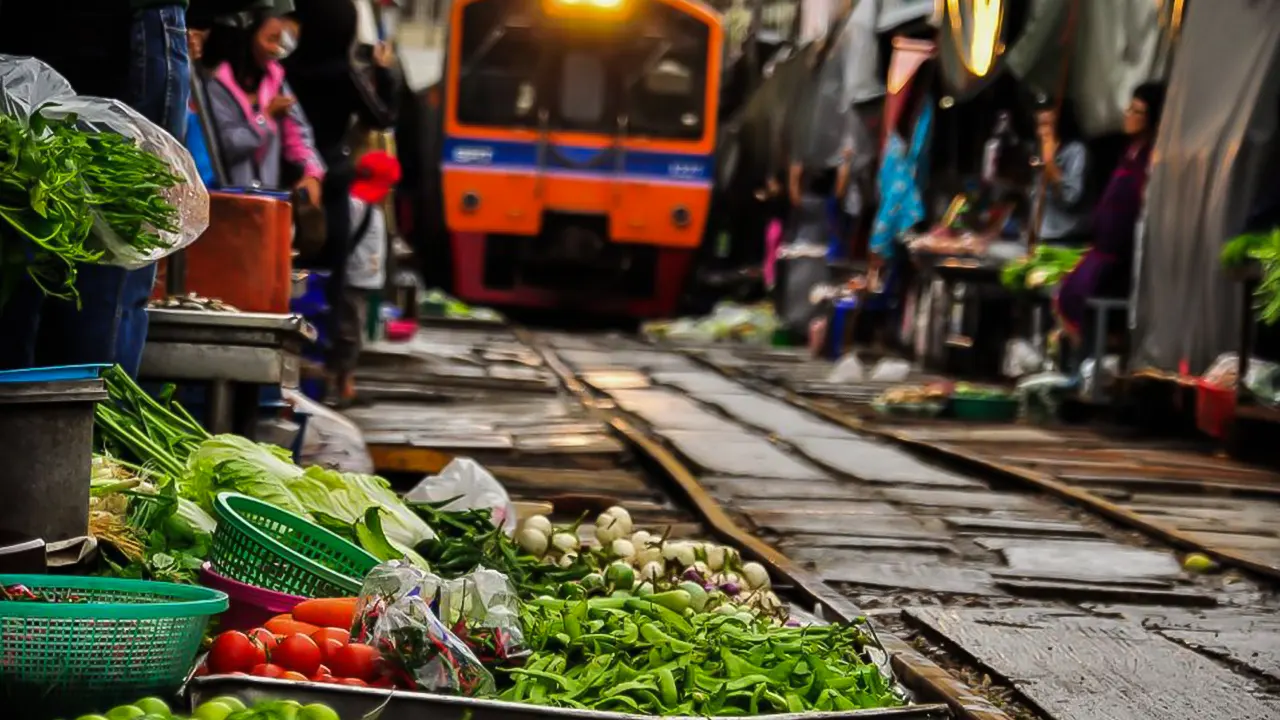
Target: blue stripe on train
[(688, 167)]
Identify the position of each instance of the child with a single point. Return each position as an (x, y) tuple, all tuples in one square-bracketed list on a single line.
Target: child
[(257, 121), (376, 175)]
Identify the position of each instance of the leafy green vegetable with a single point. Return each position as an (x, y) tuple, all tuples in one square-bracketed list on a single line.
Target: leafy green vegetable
[(1045, 268), (237, 464), (54, 177), (1264, 249)]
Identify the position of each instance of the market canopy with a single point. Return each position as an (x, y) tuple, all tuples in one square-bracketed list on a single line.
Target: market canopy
[(1220, 113)]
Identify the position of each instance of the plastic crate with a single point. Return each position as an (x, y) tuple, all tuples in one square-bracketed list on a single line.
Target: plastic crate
[(259, 544), (1215, 409), (106, 642)]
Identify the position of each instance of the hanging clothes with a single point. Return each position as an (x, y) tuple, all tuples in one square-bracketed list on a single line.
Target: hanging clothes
[(901, 200)]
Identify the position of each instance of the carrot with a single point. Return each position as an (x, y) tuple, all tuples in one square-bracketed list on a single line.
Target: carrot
[(286, 626), (327, 612)]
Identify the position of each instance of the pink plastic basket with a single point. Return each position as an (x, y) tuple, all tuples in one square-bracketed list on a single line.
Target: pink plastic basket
[(401, 330), (250, 606)]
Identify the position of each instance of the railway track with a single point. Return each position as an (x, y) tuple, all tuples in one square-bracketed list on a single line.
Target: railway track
[(974, 581)]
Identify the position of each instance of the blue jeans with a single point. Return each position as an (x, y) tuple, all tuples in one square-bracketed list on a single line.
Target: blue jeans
[(160, 85)]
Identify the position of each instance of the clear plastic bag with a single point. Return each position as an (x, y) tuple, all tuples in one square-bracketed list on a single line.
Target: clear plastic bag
[(329, 439), (1021, 358), (438, 634), (891, 370), (848, 370), (472, 487), (28, 85)]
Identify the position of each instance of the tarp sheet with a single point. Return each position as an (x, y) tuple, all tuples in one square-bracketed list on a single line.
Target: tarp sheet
[(1220, 113)]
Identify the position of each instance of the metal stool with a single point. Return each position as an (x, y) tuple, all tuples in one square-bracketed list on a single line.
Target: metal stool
[(1100, 311)]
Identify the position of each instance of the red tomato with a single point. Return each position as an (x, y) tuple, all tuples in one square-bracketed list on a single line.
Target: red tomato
[(355, 660), (328, 648), (267, 671), (234, 652), (265, 638), (331, 633), (201, 671), (384, 683), (322, 670), (354, 682), (295, 676), (298, 653)]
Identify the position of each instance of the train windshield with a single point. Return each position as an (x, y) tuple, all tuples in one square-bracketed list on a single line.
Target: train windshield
[(517, 70)]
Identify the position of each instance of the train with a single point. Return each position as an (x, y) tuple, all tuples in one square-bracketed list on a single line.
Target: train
[(566, 158)]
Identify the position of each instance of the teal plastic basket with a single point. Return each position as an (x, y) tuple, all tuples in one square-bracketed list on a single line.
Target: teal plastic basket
[(119, 641)]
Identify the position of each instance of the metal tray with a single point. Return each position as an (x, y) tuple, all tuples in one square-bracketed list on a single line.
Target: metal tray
[(261, 329), (352, 703)]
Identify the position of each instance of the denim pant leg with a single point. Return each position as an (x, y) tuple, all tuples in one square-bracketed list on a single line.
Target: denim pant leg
[(90, 333), (160, 83)]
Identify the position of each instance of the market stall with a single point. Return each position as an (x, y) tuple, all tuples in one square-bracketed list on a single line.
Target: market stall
[(333, 597)]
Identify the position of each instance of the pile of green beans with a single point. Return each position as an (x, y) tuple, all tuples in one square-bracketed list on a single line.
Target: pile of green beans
[(633, 655)]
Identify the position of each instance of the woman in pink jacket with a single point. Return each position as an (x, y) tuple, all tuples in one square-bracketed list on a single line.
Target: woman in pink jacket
[(257, 121)]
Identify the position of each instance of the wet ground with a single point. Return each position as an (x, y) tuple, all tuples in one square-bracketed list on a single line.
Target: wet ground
[(1045, 609)]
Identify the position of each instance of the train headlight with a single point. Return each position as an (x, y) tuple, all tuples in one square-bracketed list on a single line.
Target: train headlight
[(680, 216), (470, 202)]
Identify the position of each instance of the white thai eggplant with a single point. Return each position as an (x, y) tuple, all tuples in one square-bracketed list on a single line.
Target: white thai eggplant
[(532, 541), (622, 549), (565, 542), (755, 576), (623, 518), (540, 523)]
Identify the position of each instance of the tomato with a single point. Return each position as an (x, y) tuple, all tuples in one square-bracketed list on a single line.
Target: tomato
[(353, 682), (355, 660), (384, 683), (287, 626), (296, 676), (267, 671), (201, 671), (323, 670), (328, 648), (298, 653), (233, 651), (265, 638), (331, 633)]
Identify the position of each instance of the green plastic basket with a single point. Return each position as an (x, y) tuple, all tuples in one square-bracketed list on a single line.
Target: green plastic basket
[(259, 544), (984, 409), (122, 640)]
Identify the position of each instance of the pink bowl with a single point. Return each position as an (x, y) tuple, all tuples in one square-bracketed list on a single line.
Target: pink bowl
[(401, 330), (250, 606)]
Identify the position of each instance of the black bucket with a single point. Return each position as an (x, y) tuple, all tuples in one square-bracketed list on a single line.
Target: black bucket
[(46, 440), (21, 555)]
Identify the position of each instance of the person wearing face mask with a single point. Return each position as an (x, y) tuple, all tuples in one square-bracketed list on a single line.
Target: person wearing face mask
[(258, 121)]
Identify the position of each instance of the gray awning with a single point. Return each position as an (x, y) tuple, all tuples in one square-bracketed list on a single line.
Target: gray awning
[(1219, 117), (899, 12)]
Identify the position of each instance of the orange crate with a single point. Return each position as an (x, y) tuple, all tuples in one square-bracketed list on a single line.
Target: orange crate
[(245, 257)]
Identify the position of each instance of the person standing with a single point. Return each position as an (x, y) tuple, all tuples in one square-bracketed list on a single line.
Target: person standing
[(131, 50), (344, 89)]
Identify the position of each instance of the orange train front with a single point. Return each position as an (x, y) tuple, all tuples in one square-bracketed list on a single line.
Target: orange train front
[(577, 150)]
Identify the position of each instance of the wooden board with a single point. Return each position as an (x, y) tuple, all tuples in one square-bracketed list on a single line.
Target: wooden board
[(1076, 667)]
